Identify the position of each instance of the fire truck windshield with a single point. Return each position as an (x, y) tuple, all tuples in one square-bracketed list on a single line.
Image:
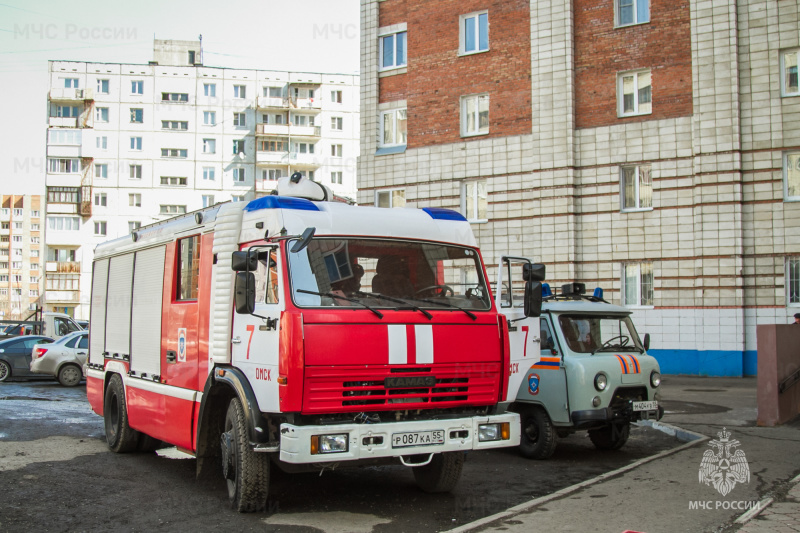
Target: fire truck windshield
[(387, 273)]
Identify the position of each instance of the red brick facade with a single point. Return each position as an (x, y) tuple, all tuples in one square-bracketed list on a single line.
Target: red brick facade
[(437, 77), (601, 51)]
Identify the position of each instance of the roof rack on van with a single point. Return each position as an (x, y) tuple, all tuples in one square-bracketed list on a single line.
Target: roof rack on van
[(572, 291)]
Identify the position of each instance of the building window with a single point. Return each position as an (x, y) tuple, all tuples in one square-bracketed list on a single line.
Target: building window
[(209, 146), (637, 284), (474, 200), (634, 93), (238, 146), (793, 280), (273, 92), (175, 97), (208, 173), (337, 123), (303, 148), (474, 34), (180, 153), (188, 268), (133, 225), (172, 209), (474, 115), (336, 150), (393, 128), (102, 143), (136, 144), (102, 86), (63, 195), (237, 198), (632, 12), (64, 166), (71, 83), (136, 172), (135, 200), (34, 227), (178, 125), (137, 87), (390, 198), (65, 136), (789, 81), (392, 50), (274, 146), (101, 171), (210, 89), (101, 114), (173, 181), (208, 200), (67, 111), (239, 91), (137, 115), (100, 228), (100, 199), (210, 118), (271, 174), (791, 176), (636, 188), (336, 97), (240, 119), (336, 177), (238, 175), (61, 255)]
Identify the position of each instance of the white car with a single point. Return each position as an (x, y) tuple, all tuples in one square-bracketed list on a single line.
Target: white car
[(63, 359)]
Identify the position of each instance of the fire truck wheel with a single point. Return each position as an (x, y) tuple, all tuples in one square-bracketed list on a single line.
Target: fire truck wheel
[(246, 472), (441, 474), (70, 375), (5, 371), (147, 443), (538, 439), (611, 437), (120, 436)]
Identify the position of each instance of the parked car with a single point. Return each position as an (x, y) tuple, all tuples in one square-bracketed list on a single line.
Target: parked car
[(15, 355), (63, 359), (83, 323)]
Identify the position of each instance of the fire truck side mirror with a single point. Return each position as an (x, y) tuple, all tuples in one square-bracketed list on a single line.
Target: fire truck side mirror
[(244, 261), (244, 293), (533, 299), (533, 272)]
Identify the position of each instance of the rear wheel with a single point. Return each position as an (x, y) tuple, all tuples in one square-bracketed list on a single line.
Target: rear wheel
[(441, 474), (69, 375), (611, 437), (5, 371), (120, 436), (246, 472), (538, 439), (147, 443)]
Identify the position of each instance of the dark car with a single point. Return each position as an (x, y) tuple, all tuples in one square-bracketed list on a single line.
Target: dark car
[(15, 356)]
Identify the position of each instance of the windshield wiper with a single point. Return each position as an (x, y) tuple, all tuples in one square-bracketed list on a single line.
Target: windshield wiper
[(397, 300), (445, 304), (332, 295)]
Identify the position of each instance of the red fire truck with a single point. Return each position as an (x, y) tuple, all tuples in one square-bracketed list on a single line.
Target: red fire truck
[(302, 334)]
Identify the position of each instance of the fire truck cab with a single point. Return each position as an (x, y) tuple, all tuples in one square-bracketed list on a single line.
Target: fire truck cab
[(304, 334)]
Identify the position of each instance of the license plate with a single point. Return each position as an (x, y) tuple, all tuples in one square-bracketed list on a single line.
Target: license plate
[(645, 406), (418, 438)]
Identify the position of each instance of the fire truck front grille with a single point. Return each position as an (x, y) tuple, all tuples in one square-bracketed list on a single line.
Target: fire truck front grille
[(354, 388)]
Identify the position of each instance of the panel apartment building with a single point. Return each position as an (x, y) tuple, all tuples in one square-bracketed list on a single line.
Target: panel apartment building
[(128, 145), (21, 258), (649, 147)]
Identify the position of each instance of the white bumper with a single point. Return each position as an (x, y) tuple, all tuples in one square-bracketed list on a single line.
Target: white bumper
[(296, 440)]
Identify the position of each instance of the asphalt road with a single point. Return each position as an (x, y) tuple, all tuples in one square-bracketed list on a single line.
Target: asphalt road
[(56, 474)]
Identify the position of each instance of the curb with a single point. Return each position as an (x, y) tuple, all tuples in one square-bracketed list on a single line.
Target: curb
[(683, 435)]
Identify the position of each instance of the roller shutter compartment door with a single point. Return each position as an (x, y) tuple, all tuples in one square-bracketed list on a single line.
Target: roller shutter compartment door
[(97, 334), (148, 287), (118, 308)]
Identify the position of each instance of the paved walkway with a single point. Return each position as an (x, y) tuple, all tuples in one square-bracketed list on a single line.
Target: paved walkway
[(779, 516)]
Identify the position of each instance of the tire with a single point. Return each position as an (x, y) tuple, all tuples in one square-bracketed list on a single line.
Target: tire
[(120, 436), (245, 471), (147, 443), (441, 474), (538, 437), (70, 375), (611, 437), (5, 371)]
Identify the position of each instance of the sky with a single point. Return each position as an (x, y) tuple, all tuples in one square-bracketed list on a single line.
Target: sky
[(299, 35)]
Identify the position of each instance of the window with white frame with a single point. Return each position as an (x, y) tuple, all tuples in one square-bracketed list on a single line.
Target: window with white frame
[(172, 209), (390, 198), (632, 12), (208, 200), (636, 188), (634, 94), (64, 166), (393, 126), (102, 86), (392, 51), (239, 91), (789, 74), (209, 118), (337, 123), (101, 170), (137, 115), (208, 173), (34, 214), (67, 111), (336, 150), (176, 125), (133, 225), (474, 200), (209, 146), (136, 144), (237, 198), (474, 33), (238, 175), (791, 176), (135, 172), (793, 280), (34, 227), (100, 199), (210, 89), (137, 87), (240, 119), (101, 114), (336, 97), (474, 115), (135, 199), (71, 83), (272, 174), (238, 146), (102, 142), (637, 284), (175, 97), (173, 181), (303, 148), (272, 92), (336, 177), (100, 228), (180, 153)]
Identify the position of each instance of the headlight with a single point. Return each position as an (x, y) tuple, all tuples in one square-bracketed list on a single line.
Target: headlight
[(655, 378), (490, 432), (328, 443), (600, 382)]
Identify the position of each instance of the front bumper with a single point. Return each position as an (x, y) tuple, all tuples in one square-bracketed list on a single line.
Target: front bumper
[(461, 434), (607, 415)]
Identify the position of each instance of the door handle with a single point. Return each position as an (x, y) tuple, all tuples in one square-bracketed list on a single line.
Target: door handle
[(171, 356), (81, 353), (236, 340)]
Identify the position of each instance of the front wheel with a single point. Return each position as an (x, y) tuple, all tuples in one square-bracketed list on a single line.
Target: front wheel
[(538, 439), (441, 474), (610, 437), (5, 371), (246, 472), (70, 375), (120, 436)]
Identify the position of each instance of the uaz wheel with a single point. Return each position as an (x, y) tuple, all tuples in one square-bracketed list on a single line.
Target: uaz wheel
[(611, 437)]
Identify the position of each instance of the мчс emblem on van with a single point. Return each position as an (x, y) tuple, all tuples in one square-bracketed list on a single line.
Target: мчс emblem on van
[(724, 468)]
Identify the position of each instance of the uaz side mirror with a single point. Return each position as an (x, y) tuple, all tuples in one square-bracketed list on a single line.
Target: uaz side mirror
[(244, 292), (533, 299), (646, 341)]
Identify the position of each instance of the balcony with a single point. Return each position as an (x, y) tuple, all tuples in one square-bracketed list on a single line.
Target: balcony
[(63, 180), (308, 132), (272, 158), (62, 122), (62, 297), (266, 187), (286, 130), (62, 209), (307, 104), (62, 94), (309, 161), (63, 150), (281, 130), (272, 102), (63, 267)]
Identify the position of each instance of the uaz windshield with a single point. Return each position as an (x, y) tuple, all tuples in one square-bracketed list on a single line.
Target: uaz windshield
[(594, 334)]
